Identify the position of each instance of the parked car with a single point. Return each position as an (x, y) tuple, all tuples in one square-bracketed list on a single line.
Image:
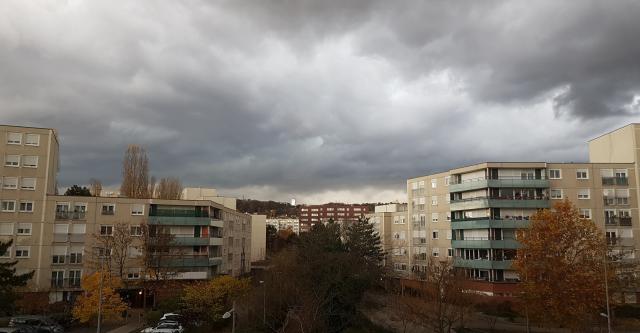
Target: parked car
[(38, 324), (165, 327), (172, 317)]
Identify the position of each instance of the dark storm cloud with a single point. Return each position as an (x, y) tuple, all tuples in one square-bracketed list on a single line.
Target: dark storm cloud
[(320, 100)]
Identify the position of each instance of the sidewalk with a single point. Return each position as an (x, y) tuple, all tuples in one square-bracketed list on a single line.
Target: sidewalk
[(132, 326)]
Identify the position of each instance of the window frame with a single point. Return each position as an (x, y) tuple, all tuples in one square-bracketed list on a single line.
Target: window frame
[(33, 188), (4, 183), (2, 202), (585, 171), (27, 202), (584, 198), (11, 142), (26, 141), (25, 226), (107, 227), (137, 213), (6, 160), (22, 249), (559, 173), (555, 198)]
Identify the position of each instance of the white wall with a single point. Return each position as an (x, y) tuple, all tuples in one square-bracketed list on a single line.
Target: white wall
[(258, 237)]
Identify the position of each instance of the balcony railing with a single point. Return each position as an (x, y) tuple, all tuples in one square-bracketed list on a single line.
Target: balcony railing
[(174, 212), (618, 220), (615, 181), (615, 201), (65, 283), (71, 215)]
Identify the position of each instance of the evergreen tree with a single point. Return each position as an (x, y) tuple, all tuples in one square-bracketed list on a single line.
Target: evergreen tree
[(76, 190), (9, 280), (363, 241)]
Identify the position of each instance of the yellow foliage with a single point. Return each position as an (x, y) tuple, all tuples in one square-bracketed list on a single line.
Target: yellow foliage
[(209, 300), (86, 306), (561, 267)]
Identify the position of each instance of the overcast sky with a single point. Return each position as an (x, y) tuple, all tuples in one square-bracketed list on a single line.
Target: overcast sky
[(318, 100)]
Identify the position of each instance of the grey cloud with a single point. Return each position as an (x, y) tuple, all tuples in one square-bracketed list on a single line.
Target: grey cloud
[(315, 99)]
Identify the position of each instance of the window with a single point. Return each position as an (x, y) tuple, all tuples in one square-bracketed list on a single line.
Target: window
[(12, 160), (75, 256), (103, 252), (9, 183), (434, 183), (556, 193), (555, 174), (136, 230), (133, 274), (74, 278), (32, 140), (78, 229), (61, 228), (582, 174), (28, 184), (447, 179), (585, 213), (449, 252), (6, 229), (23, 251), (26, 206), (584, 193), (435, 252), (57, 279), (448, 216), (24, 229), (8, 205), (434, 217), (434, 200), (14, 138), (137, 209), (108, 209), (621, 173), (434, 234), (30, 161), (59, 253), (106, 230)]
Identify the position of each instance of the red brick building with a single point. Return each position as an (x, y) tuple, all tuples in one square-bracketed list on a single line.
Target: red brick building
[(341, 213)]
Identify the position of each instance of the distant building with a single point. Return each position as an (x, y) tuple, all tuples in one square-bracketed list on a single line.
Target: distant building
[(340, 213), (285, 223), (390, 221), (258, 237)]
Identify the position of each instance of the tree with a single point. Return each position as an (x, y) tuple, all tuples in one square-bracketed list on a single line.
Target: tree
[(158, 250), (208, 300), (272, 235), (86, 305), (78, 191), (169, 188), (363, 241), (118, 243), (135, 173), (95, 187), (9, 280), (561, 267)]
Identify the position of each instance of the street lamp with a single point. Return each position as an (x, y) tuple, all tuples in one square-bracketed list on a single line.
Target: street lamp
[(231, 313), (264, 303), (100, 296)]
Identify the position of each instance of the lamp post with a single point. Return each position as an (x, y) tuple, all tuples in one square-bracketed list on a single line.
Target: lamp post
[(264, 303), (100, 296), (231, 313), (606, 290)]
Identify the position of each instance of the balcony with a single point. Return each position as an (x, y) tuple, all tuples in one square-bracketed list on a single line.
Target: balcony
[(482, 263), (479, 183), (187, 261), (179, 220), (618, 220), (620, 181), (190, 241), (485, 244), (485, 223), (71, 215), (65, 283), (60, 238), (615, 201), (178, 212), (215, 261), (216, 223), (215, 241), (500, 202)]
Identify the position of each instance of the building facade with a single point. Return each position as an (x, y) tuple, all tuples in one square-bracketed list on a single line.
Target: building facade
[(340, 213), (284, 224), (391, 223), (470, 214), (58, 237)]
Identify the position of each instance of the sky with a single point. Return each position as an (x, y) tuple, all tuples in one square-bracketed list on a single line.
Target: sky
[(317, 100)]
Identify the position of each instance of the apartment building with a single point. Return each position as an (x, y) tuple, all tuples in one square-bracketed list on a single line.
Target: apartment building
[(391, 223), (284, 224), (340, 213), (470, 214), (56, 235)]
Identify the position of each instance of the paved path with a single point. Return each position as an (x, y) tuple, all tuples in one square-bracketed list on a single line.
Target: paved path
[(132, 326)]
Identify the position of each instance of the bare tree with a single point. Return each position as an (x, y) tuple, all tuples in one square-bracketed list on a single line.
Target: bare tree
[(95, 187), (158, 252), (135, 173), (115, 247), (169, 188)]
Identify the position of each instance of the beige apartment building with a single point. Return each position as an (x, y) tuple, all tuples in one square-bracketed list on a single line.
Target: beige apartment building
[(55, 235), (470, 214), (390, 222), (285, 223)]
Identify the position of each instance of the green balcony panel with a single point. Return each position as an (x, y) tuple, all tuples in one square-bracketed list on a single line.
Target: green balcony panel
[(178, 220), (190, 241), (468, 185), (487, 223), (469, 204), (485, 244), (502, 203), (215, 261), (217, 223), (483, 264), (519, 183), (199, 261), (215, 241)]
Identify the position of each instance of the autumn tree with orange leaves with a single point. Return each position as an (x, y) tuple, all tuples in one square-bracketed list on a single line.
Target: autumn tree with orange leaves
[(561, 265), (86, 305)]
